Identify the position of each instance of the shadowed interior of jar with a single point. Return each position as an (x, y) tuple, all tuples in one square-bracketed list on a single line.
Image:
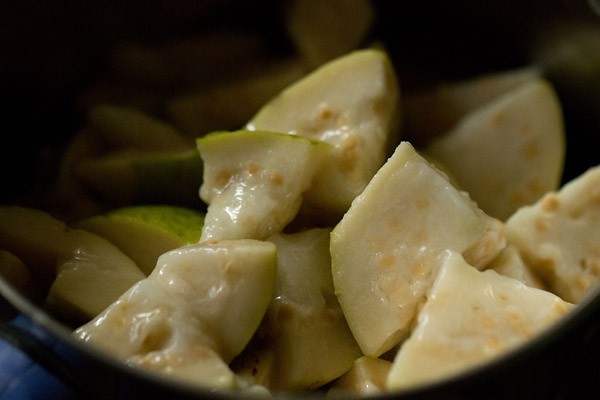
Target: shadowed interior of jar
[(52, 52)]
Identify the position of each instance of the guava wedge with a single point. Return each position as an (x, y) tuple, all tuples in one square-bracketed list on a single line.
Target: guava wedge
[(196, 311), (304, 341), (318, 40), (384, 251), (558, 237), (17, 274), (367, 377), (144, 232), (510, 263), (351, 102), (128, 127), (128, 177), (84, 271), (254, 181), (509, 153), (68, 195), (229, 104), (470, 317), (432, 111)]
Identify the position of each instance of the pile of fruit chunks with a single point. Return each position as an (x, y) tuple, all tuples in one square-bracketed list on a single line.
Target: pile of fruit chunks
[(307, 225)]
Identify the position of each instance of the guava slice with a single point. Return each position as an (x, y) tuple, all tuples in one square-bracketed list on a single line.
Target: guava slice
[(84, 271), (367, 377), (351, 102), (559, 239), (384, 250), (254, 181), (470, 317), (510, 152), (194, 313), (144, 232), (126, 177), (304, 341), (434, 110)]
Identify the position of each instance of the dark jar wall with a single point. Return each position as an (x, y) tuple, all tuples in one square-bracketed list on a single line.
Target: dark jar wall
[(51, 50)]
